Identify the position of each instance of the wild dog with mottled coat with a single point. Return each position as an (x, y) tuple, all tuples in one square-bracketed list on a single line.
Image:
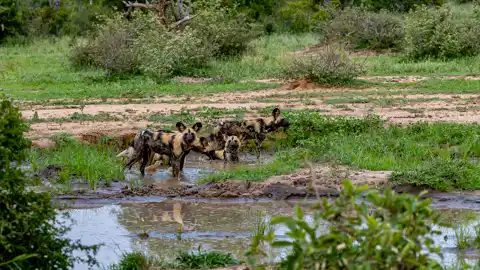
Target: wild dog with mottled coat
[(249, 129), (228, 154), (176, 145)]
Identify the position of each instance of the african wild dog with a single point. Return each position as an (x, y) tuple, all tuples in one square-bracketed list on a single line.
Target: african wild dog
[(135, 156), (249, 129), (228, 154), (176, 145)]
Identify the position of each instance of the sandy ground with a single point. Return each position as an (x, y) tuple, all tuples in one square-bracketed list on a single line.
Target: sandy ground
[(129, 118)]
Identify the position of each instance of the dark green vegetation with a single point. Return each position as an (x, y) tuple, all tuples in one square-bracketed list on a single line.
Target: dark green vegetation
[(183, 260), (397, 228), (94, 165), (442, 156), (32, 236)]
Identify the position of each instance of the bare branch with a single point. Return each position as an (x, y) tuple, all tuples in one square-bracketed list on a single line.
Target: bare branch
[(182, 21)]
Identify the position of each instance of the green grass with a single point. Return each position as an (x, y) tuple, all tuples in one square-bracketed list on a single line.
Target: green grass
[(265, 59), (42, 71), (442, 156), (397, 65), (75, 117), (182, 260), (94, 164)]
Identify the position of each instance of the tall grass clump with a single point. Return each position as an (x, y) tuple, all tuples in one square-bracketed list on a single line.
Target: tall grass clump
[(331, 67), (92, 163), (441, 33), (380, 231), (363, 29)]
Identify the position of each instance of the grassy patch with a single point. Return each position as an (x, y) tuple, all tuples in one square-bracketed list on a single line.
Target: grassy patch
[(75, 117), (398, 65), (204, 260), (183, 260), (93, 164), (41, 71), (441, 156)]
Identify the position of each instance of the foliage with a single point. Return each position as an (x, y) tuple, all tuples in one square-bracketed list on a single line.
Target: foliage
[(204, 260), (399, 6), (28, 220), (183, 260), (110, 48), (327, 67), (11, 19), (384, 231), (433, 32), (365, 29), (132, 261), (303, 15), (12, 142)]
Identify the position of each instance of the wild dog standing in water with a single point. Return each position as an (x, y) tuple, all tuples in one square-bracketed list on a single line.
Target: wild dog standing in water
[(232, 143), (229, 153), (249, 129), (135, 155), (175, 145)]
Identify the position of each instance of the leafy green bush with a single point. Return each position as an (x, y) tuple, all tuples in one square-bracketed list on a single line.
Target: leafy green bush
[(398, 6), (28, 220), (328, 67), (302, 15), (433, 32), (12, 20), (365, 29), (110, 48), (383, 231), (205, 260), (132, 261)]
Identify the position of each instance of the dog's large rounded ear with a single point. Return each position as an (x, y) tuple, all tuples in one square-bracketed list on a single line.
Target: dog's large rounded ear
[(204, 141), (225, 137), (197, 126), (146, 132), (180, 126), (276, 112)]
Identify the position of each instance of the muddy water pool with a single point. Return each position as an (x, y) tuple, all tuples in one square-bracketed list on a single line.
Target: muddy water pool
[(174, 225)]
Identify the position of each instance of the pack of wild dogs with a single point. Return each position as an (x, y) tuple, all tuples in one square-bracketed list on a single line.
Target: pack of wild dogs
[(223, 143)]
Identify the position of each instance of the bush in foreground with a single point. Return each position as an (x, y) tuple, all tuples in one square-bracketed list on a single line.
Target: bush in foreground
[(384, 231), (331, 67), (28, 220), (363, 29)]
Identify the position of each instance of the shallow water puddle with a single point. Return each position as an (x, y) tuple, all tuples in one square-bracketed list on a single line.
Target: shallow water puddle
[(173, 225), (196, 167)]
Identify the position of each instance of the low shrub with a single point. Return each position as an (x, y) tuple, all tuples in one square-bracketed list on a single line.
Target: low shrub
[(440, 33), (144, 43), (204, 260), (363, 29), (330, 66), (132, 261), (110, 48), (383, 231)]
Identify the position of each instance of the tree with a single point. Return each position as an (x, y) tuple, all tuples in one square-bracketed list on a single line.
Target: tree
[(28, 220)]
